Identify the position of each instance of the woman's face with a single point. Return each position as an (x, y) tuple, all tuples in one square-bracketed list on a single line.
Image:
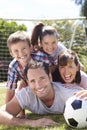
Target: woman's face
[(49, 44), (68, 72)]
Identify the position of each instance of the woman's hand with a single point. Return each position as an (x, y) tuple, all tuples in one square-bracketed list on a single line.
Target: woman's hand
[(81, 94)]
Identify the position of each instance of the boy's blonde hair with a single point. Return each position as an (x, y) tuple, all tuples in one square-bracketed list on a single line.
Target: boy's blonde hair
[(17, 37)]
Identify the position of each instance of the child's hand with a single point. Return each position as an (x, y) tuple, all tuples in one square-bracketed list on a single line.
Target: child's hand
[(21, 85)]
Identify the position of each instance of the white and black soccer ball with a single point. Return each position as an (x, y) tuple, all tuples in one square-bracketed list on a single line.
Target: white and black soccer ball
[(75, 112)]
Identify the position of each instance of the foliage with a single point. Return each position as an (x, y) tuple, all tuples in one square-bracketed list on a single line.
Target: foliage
[(72, 29), (83, 4), (84, 9), (67, 30), (6, 28), (82, 54)]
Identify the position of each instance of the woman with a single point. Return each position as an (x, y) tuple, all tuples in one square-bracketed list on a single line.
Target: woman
[(70, 73)]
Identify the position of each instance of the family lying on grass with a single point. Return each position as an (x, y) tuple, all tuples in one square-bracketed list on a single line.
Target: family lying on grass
[(40, 95)]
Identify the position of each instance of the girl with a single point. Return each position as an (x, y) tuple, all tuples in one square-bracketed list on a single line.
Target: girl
[(44, 40), (69, 70)]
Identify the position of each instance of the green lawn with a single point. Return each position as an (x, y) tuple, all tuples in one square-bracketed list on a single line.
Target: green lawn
[(57, 118)]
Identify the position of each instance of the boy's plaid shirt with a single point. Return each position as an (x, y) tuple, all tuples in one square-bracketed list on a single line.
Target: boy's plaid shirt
[(16, 71)]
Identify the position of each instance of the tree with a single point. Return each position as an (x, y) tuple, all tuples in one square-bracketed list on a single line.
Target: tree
[(83, 12), (6, 28), (65, 29), (83, 4)]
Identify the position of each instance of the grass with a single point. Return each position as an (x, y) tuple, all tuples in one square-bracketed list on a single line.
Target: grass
[(57, 118)]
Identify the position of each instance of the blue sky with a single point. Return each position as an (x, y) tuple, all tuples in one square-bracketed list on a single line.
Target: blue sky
[(38, 9)]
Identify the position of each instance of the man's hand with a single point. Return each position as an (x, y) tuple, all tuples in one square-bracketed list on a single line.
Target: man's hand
[(43, 122)]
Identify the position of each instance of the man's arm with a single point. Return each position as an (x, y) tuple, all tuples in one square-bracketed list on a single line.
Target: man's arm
[(9, 120), (13, 107), (8, 117)]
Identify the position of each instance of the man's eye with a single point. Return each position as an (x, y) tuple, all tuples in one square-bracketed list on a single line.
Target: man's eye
[(42, 78)]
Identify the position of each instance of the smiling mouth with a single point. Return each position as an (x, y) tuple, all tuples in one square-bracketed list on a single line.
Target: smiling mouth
[(23, 58), (67, 77), (40, 90), (50, 50)]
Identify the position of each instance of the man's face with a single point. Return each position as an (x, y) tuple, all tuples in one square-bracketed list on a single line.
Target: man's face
[(39, 82)]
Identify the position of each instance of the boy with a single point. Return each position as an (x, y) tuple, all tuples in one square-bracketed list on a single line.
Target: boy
[(19, 47)]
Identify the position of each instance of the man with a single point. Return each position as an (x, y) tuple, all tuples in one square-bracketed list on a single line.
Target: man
[(41, 97)]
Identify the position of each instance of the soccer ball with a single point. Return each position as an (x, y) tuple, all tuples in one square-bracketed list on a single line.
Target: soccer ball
[(75, 112)]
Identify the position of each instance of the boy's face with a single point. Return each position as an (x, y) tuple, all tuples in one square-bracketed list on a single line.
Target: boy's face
[(21, 52)]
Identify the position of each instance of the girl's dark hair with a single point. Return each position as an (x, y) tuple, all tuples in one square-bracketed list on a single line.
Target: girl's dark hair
[(36, 33), (35, 65), (39, 31), (64, 58)]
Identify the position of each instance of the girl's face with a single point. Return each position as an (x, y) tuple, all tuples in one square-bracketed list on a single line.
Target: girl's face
[(49, 44), (68, 72)]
